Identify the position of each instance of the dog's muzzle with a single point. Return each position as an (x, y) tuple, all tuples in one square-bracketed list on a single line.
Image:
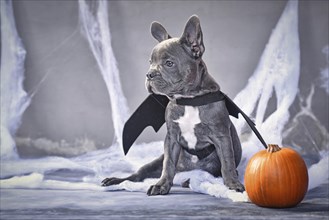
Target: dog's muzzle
[(151, 74)]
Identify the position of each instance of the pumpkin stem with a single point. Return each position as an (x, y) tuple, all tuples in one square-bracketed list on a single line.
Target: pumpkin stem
[(273, 148)]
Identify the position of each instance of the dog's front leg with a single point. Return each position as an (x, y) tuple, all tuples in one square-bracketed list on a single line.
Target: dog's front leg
[(171, 155), (224, 149)]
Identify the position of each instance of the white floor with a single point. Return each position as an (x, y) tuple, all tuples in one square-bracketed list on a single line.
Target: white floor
[(181, 203)]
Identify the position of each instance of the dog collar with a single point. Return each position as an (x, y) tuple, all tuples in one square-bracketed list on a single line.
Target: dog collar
[(202, 99)]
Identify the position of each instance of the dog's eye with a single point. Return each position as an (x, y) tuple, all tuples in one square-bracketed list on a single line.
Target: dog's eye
[(169, 63)]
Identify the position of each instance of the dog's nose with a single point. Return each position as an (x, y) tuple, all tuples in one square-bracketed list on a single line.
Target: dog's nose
[(151, 74)]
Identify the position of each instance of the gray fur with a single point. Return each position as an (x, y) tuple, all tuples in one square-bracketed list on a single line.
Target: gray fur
[(177, 70)]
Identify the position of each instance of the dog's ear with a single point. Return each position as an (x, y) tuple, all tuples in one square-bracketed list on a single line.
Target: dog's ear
[(192, 38), (159, 32)]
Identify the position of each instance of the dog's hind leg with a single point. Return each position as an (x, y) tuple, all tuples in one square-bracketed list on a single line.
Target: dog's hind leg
[(150, 170)]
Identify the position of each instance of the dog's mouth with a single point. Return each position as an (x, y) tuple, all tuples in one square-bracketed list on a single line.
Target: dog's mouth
[(156, 87), (149, 87), (161, 87)]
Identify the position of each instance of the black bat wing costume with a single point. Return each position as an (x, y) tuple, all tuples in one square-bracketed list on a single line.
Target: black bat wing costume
[(152, 113)]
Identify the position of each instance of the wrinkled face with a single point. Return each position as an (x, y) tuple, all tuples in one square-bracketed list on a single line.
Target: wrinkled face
[(172, 70), (175, 62)]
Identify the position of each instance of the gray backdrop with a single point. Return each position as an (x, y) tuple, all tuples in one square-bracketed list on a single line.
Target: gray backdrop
[(73, 103)]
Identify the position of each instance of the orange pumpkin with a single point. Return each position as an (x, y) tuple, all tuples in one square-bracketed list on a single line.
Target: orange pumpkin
[(276, 177)]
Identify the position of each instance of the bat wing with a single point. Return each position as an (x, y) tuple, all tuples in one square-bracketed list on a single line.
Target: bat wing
[(150, 113), (234, 110)]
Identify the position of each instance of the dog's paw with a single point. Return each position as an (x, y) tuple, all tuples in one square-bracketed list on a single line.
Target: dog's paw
[(112, 181), (237, 186), (158, 190)]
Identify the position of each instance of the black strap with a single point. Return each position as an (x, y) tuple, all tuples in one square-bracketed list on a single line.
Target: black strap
[(233, 110), (201, 154), (202, 100)]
